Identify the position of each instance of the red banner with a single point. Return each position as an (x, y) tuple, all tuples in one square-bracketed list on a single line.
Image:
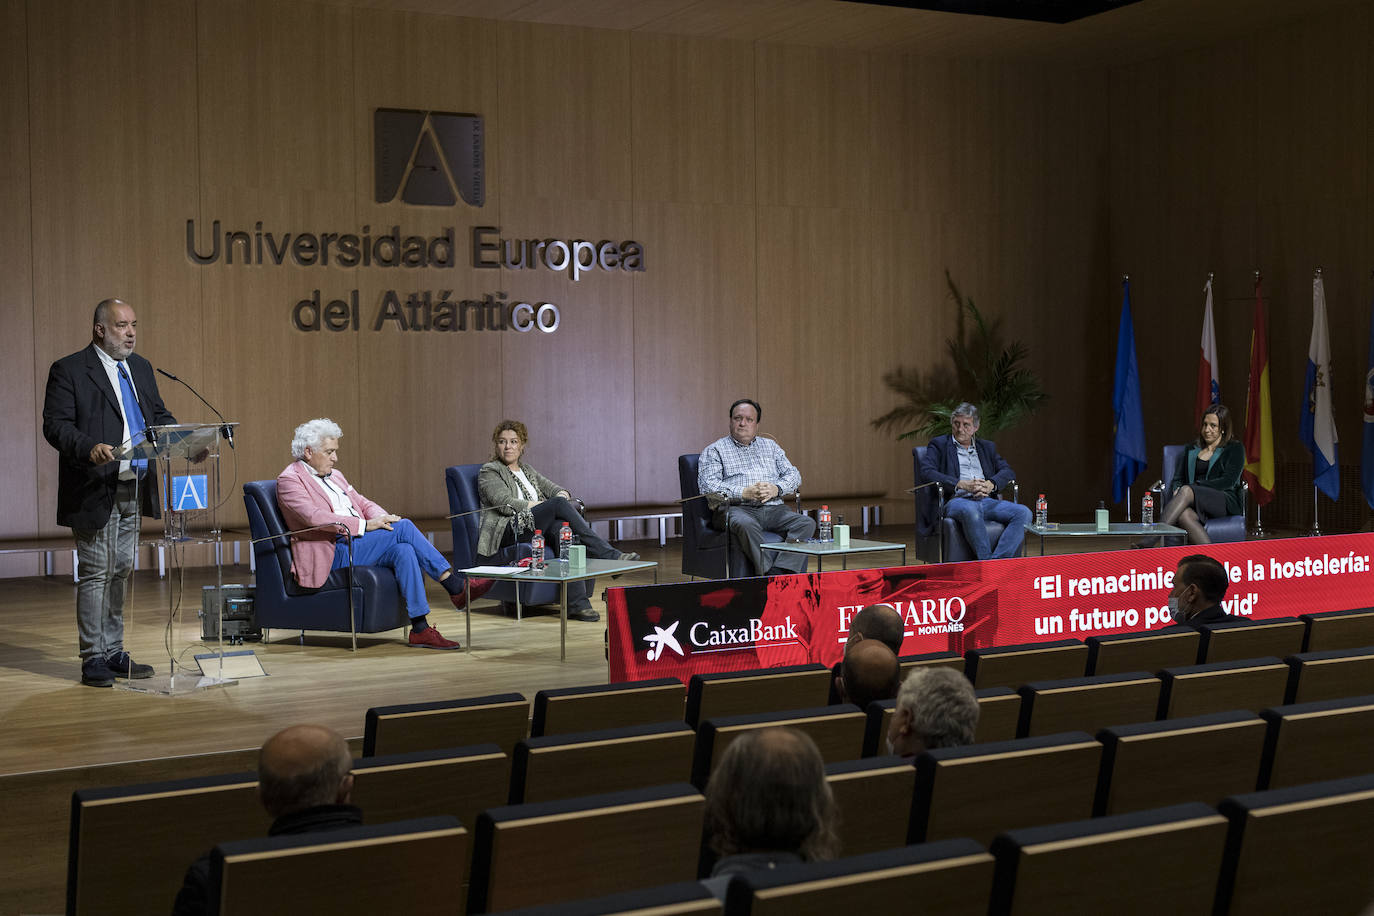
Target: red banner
[(736, 624)]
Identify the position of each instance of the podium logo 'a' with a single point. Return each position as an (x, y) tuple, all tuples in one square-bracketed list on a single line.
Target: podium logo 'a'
[(429, 158), (189, 492)]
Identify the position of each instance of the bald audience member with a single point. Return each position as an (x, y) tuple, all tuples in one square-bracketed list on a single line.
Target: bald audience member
[(304, 783), (936, 707), (877, 621), (768, 804), (869, 672)]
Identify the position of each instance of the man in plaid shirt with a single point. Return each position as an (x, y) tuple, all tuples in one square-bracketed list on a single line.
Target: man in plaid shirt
[(753, 474)]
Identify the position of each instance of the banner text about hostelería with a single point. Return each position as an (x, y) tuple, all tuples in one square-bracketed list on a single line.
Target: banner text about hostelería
[(687, 628)]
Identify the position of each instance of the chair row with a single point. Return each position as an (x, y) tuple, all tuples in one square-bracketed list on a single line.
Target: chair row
[(975, 791), (1291, 850)]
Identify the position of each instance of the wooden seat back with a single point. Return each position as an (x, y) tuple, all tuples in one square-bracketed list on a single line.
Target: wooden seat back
[(980, 790), (1237, 639), (1307, 742), (874, 799), (1201, 758), (999, 714), (1152, 652), (563, 766), (837, 730), (1331, 675), (570, 710), (585, 847), (501, 719), (1195, 690), (1087, 703), (1338, 630), (1012, 666), (735, 693)]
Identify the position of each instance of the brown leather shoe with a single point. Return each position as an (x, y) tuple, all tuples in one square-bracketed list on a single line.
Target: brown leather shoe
[(477, 586), (431, 638)]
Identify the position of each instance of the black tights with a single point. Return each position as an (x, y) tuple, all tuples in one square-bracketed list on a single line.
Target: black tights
[(1180, 512)]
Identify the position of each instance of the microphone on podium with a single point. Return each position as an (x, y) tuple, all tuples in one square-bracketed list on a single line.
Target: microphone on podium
[(225, 428)]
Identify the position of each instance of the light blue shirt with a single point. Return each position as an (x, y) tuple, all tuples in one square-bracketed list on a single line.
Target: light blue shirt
[(970, 468)]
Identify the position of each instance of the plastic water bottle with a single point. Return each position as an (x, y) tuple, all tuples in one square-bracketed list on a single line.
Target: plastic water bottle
[(1042, 511), (1147, 509), (826, 533), (537, 550), (565, 539)]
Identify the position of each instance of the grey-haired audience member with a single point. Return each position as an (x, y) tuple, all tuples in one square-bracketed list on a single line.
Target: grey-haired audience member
[(936, 707)]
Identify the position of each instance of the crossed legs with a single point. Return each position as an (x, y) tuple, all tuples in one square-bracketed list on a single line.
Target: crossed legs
[(407, 553), (1180, 512)]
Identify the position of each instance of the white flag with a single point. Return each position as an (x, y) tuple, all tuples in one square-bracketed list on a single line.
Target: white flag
[(1318, 424)]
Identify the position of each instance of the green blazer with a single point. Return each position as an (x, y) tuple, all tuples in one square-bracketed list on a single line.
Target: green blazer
[(1223, 473), (504, 503)]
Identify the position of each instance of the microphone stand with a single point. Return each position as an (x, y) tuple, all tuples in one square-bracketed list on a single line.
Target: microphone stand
[(225, 429)]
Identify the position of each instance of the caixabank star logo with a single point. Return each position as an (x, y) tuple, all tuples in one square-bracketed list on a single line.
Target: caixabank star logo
[(428, 158)]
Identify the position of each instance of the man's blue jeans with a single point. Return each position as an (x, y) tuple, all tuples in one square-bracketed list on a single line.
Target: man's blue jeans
[(972, 516)]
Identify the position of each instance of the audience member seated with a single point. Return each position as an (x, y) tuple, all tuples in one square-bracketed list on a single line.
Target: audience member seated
[(936, 707), (1200, 583), (768, 804), (1207, 482), (974, 471), (745, 477), (517, 499), (311, 494), (880, 622), (869, 672), (305, 783)]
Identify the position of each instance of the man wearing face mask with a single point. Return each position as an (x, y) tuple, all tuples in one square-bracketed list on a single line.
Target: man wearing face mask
[(1200, 583)]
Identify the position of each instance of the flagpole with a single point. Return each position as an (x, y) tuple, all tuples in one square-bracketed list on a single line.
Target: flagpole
[(1316, 530)]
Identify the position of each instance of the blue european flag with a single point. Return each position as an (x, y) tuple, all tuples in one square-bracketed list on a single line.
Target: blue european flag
[(1128, 448), (189, 492)]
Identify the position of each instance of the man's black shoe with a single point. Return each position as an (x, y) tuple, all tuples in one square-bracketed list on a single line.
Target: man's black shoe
[(95, 672), (585, 613), (121, 665)]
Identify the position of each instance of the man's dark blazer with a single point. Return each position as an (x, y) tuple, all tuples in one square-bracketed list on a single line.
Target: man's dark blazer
[(941, 463), (81, 410)]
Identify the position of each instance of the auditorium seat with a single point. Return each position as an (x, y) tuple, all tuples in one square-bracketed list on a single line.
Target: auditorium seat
[(563, 766), (354, 870), (952, 878), (837, 730), (1087, 703), (584, 847), (1202, 758), (685, 898), (910, 663), (1303, 849), (599, 706), (1164, 860), (1012, 666), (459, 781), (1194, 690), (1330, 675), (108, 874), (874, 799), (733, 693), (1338, 630), (981, 790), (1236, 639), (501, 718), (1150, 652), (999, 714), (1329, 739)]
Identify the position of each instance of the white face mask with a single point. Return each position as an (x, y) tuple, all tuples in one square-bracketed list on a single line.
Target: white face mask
[(1174, 610)]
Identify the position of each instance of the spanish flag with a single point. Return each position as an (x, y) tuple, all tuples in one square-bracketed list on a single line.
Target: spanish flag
[(1259, 424)]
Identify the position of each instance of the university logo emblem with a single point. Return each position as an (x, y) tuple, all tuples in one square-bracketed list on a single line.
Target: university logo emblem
[(428, 158)]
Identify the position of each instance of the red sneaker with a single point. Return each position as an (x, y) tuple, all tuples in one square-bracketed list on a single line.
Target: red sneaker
[(478, 587), (431, 638)]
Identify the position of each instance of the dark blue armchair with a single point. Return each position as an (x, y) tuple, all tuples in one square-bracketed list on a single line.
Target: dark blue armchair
[(463, 498), (280, 602), (707, 552), (1221, 530)]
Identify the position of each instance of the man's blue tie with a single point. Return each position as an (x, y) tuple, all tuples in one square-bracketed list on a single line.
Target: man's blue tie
[(134, 414)]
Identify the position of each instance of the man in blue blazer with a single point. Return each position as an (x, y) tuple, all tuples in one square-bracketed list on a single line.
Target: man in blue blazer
[(973, 471), (99, 401)]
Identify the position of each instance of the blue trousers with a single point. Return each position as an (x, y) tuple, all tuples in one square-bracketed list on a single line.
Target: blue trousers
[(972, 516), (404, 551)]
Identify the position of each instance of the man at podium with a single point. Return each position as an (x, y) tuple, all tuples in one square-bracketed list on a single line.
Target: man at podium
[(101, 399)]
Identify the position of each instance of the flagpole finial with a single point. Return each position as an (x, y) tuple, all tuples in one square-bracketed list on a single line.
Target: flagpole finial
[(1210, 276), (1257, 276), (1125, 278), (1319, 272)]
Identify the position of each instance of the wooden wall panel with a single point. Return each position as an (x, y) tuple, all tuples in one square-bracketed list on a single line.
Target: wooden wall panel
[(812, 115), (696, 340), (22, 449), (693, 117), (279, 149), (426, 397), (565, 99), (113, 139)]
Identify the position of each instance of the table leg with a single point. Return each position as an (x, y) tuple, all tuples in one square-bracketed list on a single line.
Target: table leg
[(662, 530), (467, 612), (903, 554), (563, 620), (517, 602)]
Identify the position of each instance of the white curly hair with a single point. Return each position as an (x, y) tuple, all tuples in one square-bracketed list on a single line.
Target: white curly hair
[(312, 434)]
